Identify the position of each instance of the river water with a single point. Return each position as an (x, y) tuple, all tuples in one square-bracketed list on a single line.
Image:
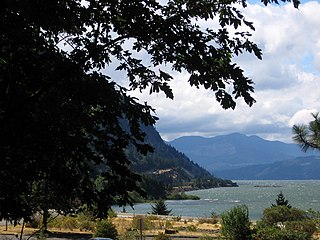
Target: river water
[(257, 195)]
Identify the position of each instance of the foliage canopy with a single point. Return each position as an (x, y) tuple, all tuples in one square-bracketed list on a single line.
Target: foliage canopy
[(61, 111), (308, 136), (235, 223), (282, 222)]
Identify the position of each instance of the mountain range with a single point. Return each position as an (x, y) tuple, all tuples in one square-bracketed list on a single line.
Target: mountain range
[(301, 168), (170, 167), (237, 156)]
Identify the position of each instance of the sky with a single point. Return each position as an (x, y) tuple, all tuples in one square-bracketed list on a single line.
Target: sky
[(287, 81)]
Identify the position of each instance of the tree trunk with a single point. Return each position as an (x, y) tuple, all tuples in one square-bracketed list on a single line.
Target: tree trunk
[(45, 220)]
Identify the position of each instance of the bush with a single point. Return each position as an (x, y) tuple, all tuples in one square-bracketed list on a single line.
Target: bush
[(86, 225), (289, 230), (69, 222), (130, 235), (112, 214), (192, 228), (148, 222), (275, 233), (105, 228), (168, 224), (274, 215), (66, 222), (235, 223), (283, 222), (177, 218), (205, 237), (306, 227), (314, 216), (208, 220), (162, 236)]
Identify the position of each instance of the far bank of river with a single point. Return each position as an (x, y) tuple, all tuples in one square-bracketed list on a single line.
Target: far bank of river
[(257, 195)]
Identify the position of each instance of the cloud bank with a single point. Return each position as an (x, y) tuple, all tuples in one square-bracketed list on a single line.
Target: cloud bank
[(287, 81)]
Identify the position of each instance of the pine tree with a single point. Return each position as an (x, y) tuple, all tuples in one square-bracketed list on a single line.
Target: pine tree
[(281, 201), (160, 208), (307, 136)]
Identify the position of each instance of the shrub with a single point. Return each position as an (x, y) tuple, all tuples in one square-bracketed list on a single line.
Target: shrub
[(112, 214), (314, 216), (56, 222), (148, 222), (105, 228), (130, 235), (289, 230), (68, 222), (162, 236), (86, 225), (152, 217), (275, 233), (209, 220), (192, 228), (306, 227), (168, 224), (205, 237), (276, 214), (177, 218), (235, 223)]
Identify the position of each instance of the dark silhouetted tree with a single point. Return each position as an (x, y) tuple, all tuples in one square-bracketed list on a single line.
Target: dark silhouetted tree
[(281, 201), (62, 109)]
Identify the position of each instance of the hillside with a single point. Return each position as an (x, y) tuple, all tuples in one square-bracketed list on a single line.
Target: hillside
[(301, 168), (235, 150), (171, 167)]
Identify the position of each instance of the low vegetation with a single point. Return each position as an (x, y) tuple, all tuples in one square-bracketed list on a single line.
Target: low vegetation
[(280, 221), (181, 196), (236, 224), (105, 228)]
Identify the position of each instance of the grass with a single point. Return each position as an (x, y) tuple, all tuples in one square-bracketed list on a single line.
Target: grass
[(70, 227)]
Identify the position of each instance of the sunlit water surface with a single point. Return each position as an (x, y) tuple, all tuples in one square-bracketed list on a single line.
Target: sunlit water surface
[(257, 195)]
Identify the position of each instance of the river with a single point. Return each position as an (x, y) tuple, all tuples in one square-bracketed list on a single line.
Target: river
[(257, 195)]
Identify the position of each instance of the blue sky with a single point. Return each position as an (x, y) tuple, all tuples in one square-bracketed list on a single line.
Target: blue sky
[(287, 81)]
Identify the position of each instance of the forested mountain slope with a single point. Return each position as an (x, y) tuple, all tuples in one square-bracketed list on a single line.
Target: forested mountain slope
[(171, 167)]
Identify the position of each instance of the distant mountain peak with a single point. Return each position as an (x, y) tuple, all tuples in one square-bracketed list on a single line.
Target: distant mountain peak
[(235, 150)]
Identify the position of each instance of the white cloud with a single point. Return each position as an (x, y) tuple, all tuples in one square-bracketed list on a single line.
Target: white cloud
[(286, 81), (302, 117)]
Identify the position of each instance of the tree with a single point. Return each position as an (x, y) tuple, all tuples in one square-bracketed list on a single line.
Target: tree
[(160, 208), (308, 136), (64, 121), (281, 201), (106, 229), (282, 222), (235, 223), (281, 214)]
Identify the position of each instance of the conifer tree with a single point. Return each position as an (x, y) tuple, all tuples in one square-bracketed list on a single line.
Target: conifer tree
[(281, 201), (160, 208), (308, 136)]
